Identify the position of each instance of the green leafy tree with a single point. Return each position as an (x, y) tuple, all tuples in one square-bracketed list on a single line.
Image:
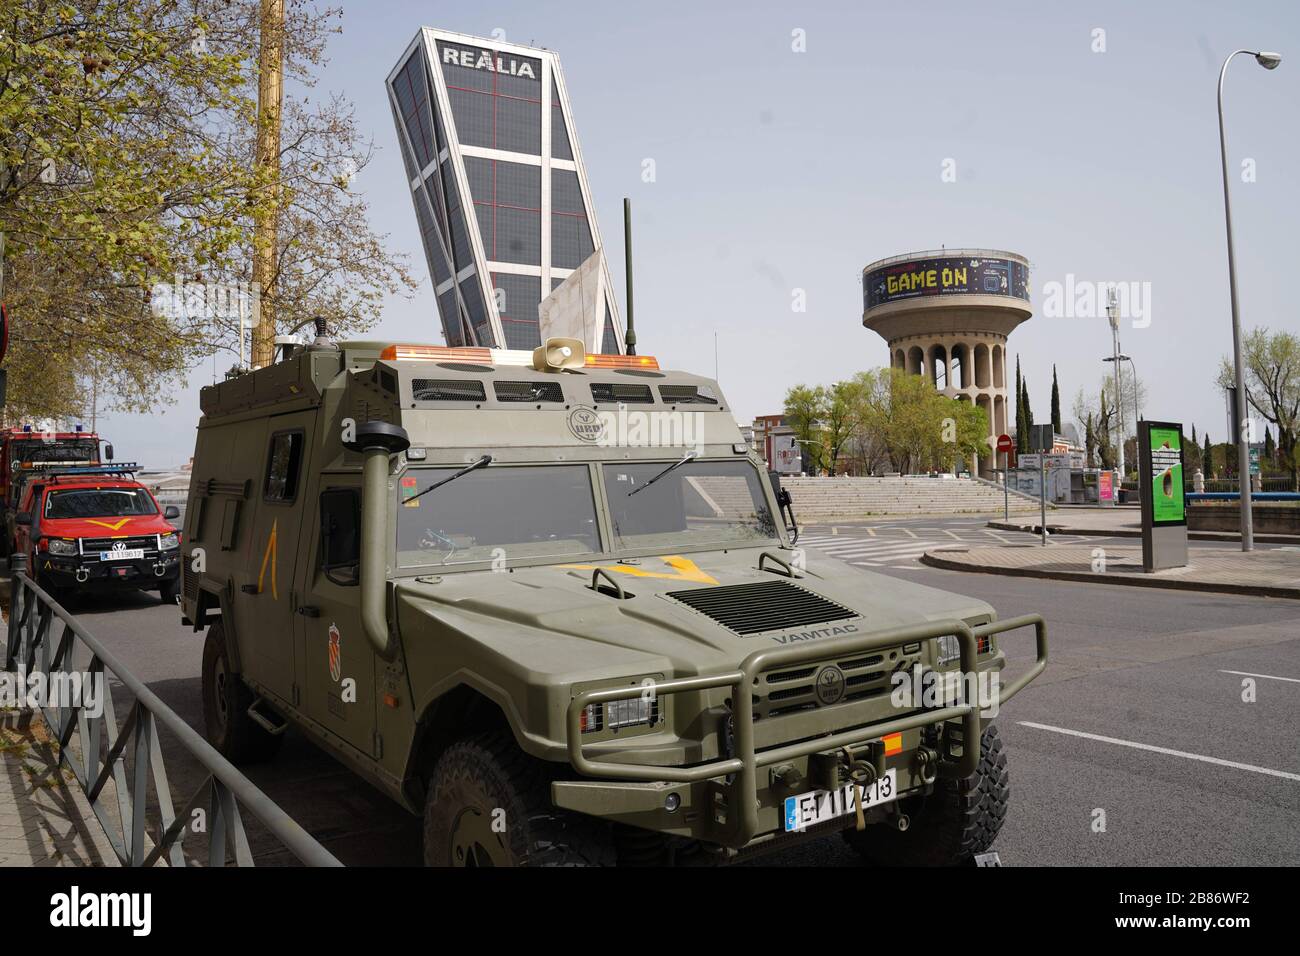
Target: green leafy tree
[(1272, 379), (126, 137), (1089, 441), (1207, 458), (805, 408)]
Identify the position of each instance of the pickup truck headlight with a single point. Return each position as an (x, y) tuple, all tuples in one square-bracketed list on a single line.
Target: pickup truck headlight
[(169, 541), (60, 546)]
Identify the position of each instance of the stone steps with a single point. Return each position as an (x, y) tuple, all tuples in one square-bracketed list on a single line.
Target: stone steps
[(849, 497)]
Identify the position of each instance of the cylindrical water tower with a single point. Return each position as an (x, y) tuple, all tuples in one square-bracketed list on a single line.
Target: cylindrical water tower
[(946, 314)]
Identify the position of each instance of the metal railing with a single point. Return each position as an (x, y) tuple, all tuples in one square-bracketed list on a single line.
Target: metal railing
[(122, 809), (748, 759)]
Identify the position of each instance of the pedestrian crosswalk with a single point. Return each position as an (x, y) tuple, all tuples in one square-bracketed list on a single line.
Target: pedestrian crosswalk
[(890, 550), (897, 546)]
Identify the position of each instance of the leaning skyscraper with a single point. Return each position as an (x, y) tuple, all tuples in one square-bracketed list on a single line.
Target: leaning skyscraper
[(486, 124)]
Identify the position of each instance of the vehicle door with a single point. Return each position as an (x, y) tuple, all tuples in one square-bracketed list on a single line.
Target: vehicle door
[(336, 661), (274, 551)]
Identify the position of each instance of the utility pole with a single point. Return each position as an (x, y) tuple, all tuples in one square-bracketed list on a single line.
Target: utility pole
[(270, 95)]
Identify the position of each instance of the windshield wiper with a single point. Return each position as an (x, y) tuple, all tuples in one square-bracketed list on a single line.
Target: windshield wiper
[(689, 456), (474, 466)]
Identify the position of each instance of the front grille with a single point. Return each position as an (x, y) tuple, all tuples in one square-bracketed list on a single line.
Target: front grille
[(762, 606), (95, 545), (528, 391), (190, 580), (621, 392), (787, 691), (447, 390)]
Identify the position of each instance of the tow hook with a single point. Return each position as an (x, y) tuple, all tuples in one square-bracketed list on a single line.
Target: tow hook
[(861, 774), (83, 575), (159, 569), (927, 764)]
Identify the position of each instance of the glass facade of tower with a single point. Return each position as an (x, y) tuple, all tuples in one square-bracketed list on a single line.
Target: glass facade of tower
[(484, 128)]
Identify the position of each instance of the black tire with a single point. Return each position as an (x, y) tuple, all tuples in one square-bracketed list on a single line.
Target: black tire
[(226, 700), (486, 783), (169, 590), (960, 819)]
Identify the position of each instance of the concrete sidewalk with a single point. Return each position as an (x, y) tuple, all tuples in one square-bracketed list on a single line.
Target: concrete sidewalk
[(1270, 573), (1115, 522), (45, 819)]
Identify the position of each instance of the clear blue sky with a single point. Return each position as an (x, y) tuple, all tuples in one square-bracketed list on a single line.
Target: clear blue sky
[(779, 170)]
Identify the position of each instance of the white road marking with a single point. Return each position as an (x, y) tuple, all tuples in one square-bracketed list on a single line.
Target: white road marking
[(1285, 775), (1289, 680), (952, 534)]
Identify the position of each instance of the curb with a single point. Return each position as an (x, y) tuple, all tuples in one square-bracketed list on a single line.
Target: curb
[(1137, 581), (1130, 533)]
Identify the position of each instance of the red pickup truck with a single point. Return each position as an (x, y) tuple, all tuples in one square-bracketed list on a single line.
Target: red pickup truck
[(97, 529)]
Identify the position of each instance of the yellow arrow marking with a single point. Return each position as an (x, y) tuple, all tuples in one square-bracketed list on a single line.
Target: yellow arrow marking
[(270, 555), (110, 525), (686, 570)]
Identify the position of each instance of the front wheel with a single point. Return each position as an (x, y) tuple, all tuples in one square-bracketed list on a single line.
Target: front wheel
[(226, 699), (169, 590), (488, 804), (960, 819)]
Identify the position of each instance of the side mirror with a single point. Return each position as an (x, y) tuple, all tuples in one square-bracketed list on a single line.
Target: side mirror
[(171, 511), (23, 518), (108, 451)]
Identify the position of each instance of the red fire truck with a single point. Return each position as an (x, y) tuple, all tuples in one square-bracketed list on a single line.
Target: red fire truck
[(24, 449)]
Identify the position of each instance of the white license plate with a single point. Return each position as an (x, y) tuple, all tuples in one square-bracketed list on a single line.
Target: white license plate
[(126, 554), (818, 806)]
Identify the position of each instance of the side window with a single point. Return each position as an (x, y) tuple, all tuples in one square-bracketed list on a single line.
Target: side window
[(340, 535), (282, 466)]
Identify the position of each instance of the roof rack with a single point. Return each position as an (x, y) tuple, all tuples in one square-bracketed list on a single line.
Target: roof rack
[(62, 469)]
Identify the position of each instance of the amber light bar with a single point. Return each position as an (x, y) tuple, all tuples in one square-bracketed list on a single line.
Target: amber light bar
[(622, 361), (472, 353)]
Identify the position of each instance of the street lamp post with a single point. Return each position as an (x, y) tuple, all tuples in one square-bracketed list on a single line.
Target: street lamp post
[(1112, 313), (1268, 61)]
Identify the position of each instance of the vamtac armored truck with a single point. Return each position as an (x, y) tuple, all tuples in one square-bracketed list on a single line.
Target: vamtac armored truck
[(550, 601)]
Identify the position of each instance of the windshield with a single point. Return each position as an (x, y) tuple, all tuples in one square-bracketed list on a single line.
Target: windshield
[(698, 503), (98, 503), (57, 450), (496, 513)]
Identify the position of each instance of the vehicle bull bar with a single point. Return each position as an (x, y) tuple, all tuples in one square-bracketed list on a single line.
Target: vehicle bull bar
[(103, 753), (747, 761)]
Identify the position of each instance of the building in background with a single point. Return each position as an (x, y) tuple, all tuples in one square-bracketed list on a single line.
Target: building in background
[(946, 314), (485, 124)]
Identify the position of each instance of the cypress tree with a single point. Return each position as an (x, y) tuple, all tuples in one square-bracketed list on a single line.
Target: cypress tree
[(1207, 457), (1056, 403)]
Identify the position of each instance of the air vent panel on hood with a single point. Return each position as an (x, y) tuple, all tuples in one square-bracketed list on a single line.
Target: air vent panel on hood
[(762, 606)]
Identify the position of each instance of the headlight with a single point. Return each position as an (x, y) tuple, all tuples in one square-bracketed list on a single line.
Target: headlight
[(947, 649), (60, 546), (169, 541), (617, 714)]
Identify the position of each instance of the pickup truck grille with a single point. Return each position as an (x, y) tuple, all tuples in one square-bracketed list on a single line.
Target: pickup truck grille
[(762, 606), (95, 545)]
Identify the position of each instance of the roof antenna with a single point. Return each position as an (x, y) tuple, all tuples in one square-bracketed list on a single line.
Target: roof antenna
[(630, 337)]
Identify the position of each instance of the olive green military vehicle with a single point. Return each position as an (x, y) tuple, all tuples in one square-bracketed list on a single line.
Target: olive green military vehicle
[(552, 602)]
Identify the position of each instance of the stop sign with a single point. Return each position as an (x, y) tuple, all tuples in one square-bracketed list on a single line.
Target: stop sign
[(1005, 444)]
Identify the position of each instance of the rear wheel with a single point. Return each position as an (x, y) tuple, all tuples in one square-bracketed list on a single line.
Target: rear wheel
[(960, 819), (488, 804), (226, 700)]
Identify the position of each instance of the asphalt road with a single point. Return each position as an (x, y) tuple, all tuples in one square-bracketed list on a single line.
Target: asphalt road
[(1135, 748)]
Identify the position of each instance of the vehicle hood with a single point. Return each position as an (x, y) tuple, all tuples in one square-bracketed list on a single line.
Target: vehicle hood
[(123, 527), (548, 619)]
